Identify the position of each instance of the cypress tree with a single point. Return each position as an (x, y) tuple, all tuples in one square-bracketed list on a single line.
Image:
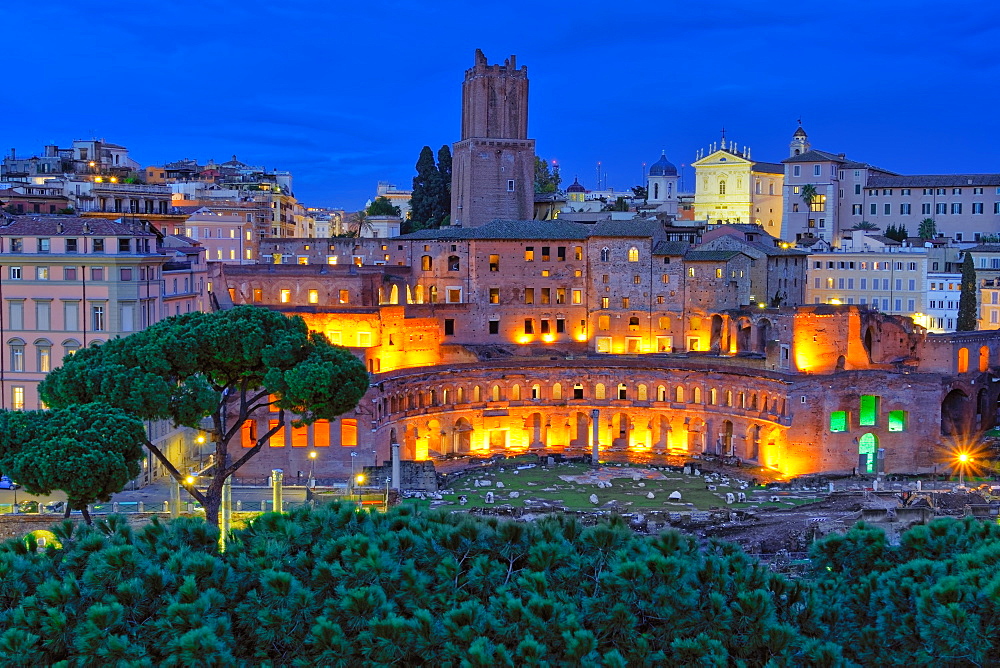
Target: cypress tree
[(426, 192), (443, 209), (967, 302)]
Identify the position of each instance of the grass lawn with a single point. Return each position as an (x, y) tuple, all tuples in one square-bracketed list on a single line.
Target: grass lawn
[(570, 485)]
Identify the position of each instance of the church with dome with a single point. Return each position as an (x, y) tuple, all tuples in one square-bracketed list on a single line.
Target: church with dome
[(661, 186)]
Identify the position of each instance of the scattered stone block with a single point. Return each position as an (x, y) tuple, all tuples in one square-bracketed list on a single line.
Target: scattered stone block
[(674, 495), (593, 499)]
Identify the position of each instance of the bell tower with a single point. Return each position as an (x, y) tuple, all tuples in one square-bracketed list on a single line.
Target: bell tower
[(799, 144), (493, 166)]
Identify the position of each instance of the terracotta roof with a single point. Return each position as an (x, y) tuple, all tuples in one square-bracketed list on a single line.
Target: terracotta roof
[(671, 248), (768, 167), (541, 229), (933, 180), (813, 155), (711, 255), (71, 226)]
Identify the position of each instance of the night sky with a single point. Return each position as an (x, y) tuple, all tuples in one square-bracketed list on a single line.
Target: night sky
[(345, 94)]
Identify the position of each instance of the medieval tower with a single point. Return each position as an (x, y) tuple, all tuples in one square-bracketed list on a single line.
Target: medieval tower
[(493, 166)]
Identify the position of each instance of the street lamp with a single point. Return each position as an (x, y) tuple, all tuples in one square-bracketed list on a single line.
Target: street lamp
[(963, 461), (200, 440), (312, 460), (359, 480)]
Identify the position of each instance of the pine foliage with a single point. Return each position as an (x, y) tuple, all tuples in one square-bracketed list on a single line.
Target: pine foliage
[(336, 587)]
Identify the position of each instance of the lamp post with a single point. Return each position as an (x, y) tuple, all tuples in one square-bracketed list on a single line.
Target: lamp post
[(963, 461), (310, 483), (359, 480)]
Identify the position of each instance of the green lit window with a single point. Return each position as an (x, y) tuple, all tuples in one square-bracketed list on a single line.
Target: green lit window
[(838, 421), (897, 420), (869, 410)]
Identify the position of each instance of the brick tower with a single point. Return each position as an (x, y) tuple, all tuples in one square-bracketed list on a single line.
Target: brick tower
[(493, 166)]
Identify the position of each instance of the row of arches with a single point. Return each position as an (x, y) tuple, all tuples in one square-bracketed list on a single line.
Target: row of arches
[(679, 393), (616, 430)]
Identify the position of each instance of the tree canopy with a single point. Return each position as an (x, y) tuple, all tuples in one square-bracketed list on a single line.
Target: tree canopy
[(546, 180), (927, 228), (88, 451), (968, 306), (383, 207), (226, 366), (337, 587)]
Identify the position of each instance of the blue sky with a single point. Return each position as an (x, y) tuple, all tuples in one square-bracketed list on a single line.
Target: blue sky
[(346, 94)]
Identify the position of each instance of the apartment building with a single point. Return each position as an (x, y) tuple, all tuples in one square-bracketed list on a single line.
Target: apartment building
[(68, 282)]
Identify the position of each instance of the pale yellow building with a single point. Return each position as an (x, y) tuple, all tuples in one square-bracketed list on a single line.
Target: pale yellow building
[(730, 187)]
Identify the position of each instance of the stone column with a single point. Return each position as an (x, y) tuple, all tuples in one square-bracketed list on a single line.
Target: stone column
[(277, 478), (395, 466), (595, 425), (175, 498)]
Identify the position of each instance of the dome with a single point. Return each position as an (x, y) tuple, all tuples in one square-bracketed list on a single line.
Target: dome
[(662, 167), (576, 187)]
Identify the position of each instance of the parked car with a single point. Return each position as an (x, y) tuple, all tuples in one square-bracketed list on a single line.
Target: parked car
[(7, 483)]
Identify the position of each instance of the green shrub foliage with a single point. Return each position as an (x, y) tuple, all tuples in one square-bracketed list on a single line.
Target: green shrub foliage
[(335, 587)]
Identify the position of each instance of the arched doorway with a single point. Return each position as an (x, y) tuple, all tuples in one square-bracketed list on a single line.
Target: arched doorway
[(726, 439), (869, 343), (867, 453), (763, 334), (743, 330), (955, 414), (715, 341), (436, 442), (462, 435), (753, 444), (620, 426)]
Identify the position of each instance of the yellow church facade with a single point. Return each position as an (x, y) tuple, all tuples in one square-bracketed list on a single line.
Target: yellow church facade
[(732, 188)]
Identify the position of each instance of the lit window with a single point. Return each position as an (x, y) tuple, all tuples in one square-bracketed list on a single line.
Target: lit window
[(286, 296), (17, 398), (838, 421), (869, 410), (314, 296), (897, 420)]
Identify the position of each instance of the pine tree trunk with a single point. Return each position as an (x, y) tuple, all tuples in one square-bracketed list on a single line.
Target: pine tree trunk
[(213, 502), (86, 514)]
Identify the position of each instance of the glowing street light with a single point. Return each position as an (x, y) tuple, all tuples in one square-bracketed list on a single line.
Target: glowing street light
[(962, 460), (312, 461)]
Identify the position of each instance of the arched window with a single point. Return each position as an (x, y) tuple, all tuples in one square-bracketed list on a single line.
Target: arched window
[(679, 394), (713, 396), (460, 395), (16, 354), (656, 191), (605, 254), (633, 254), (426, 263), (420, 294), (557, 391), (496, 393), (633, 324), (44, 348), (641, 392), (622, 391), (729, 397), (515, 392), (722, 187), (963, 360), (477, 394), (696, 396), (984, 359), (454, 263), (661, 393), (867, 452), (599, 391), (444, 397), (433, 294), (536, 391)]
